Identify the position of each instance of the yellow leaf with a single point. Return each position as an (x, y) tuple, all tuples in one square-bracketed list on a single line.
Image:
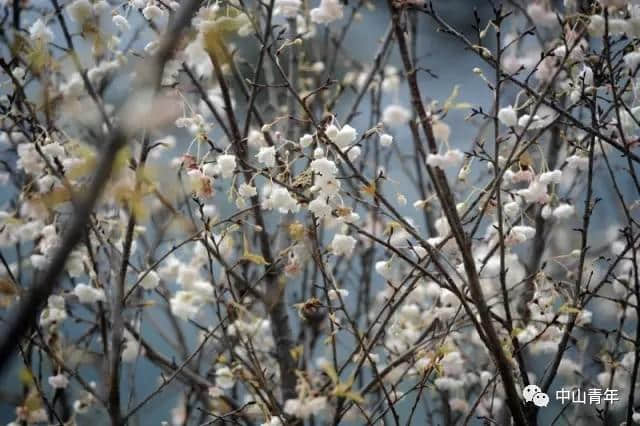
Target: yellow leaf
[(343, 390), (38, 57), (33, 401), (568, 309), (354, 396), (331, 372), (369, 190), (439, 369), (138, 207), (443, 350), (296, 231), (252, 257), (450, 102), (343, 211), (122, 159), (214, 44), (516, 331), (297, 352), (229, 24), (220, 405), (53, 198), (483, 51), (146, 304), (82, 168), (25, 376), (525, 160), (75, 355), (392, 227), (7, 287)]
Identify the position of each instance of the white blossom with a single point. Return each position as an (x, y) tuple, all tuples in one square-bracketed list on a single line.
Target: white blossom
[(305, 408), (345, 136), (80, 10), (149, 281), (185, 304), (327, 12), (320, 208), (441, 131), (632, 60), (386, 140), (306, 140), (55, 311), (19, 73), (59, 381), (40, 31), (535, 193), (577, 162), (332, 131), (450, 158), (288, 8), (337, 294), (508, 116), (267, 156), (120, 22), (88, 294), (343, 245), (273, 421), (586, 76), (551, 177), (383, 267), (563, 211), (596, 26), (151, 12), (132, 348), (279, 198), (324, 166), (449, 384), (80, 406), (227, 164), (224, 377), (520, 234), (210, 211), (511, 209), (247, 191), (354, 153), (395, 115)]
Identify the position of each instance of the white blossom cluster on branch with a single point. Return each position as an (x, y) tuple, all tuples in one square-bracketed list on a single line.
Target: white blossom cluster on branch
[(221, 212)]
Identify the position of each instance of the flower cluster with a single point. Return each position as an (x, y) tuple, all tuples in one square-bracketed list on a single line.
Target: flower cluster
[(276, 209)]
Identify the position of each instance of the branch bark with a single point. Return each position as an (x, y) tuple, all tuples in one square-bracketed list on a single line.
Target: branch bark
[(25, 315), (449, 207)]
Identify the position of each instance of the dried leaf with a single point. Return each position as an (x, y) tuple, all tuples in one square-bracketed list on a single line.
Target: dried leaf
[(296, 352), (369, 190), (7, 287), (25, 376), (252, 257), (296, 231), (568, 309), (450, 103), (525, 160)]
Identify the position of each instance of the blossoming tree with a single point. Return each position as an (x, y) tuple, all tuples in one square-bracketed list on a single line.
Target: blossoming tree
[(213, 201)]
